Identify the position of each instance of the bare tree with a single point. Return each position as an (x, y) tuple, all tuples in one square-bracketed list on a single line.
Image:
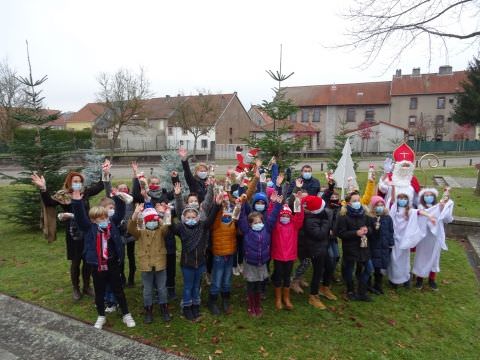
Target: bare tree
[(123, 95), (399, 24), (197, 115), (12, 97), (365, 133)]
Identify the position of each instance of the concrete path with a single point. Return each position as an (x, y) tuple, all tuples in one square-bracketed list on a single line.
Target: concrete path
[(31, 332)]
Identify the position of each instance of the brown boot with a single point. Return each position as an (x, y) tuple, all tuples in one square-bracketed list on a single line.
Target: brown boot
[(278, 298), (286, 298), (295, 286), (314, 300), (326, 292)]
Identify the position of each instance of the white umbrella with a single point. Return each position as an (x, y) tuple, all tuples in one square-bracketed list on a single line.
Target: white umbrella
[(344, 174)]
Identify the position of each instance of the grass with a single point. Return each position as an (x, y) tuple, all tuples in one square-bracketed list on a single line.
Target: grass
[(403, 324)]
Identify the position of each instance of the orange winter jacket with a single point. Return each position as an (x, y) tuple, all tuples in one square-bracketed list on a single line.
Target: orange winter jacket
[(224, 237)]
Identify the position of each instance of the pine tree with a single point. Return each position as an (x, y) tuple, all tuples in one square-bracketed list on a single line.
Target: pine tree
[(92, 170), (467, 108), (170, 162), (38, 149)]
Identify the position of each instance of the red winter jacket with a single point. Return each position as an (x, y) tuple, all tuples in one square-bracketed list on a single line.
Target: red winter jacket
[(285, 238)]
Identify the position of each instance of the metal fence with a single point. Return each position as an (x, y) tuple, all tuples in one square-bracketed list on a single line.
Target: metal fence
[(445, 146)]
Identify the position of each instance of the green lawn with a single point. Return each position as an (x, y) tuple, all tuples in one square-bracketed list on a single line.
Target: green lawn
[(403, 324)]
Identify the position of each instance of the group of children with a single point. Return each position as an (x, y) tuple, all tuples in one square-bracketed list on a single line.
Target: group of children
[(239, 225)]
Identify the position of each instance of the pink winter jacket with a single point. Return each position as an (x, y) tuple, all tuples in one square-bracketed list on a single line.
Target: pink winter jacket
[(285, 238)]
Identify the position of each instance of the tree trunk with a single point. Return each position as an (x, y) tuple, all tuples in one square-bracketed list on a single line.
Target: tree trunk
[(477, 188), (195, 139)]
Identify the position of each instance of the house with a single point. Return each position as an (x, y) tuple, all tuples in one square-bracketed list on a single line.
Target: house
[(258, 116), (424, 103), (85, 117), (378, 137), (294, 130), (327, 107)]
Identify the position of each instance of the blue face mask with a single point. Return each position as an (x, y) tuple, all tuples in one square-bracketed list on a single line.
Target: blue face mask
[(356, 205), (429, 199), (270, 183), (103, 224), (307, 175), (191, 222), (257, 227), (77, 186), (402, 202), (235, 194), (202, 174), (259, 207), (285, 220), (226, 219), (151, 225), (379, 210)]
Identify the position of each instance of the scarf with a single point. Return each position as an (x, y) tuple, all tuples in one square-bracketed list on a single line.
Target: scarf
[(354, 212), (102, 248)]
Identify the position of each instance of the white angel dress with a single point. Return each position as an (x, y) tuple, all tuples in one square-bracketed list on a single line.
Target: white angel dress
[(406, 231)]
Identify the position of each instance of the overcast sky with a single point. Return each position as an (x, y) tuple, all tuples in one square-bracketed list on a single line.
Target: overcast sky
[(223, 46)]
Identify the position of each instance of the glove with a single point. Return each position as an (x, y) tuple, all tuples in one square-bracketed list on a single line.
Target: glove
[(388, 165)]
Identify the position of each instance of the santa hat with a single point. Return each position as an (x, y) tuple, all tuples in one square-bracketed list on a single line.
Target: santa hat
[(425, 190), (375, 200), (314, 204), (404, 153), (150, 214), (286, 211), (253, 152)]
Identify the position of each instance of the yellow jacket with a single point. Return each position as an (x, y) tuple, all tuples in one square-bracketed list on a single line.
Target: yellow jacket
[(368, 193)]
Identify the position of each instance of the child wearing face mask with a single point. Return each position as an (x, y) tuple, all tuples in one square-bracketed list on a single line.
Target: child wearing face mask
[(257, 238), (428, 249), (152, 255), (197, 182), (407, 233), (191, 231), (284, 253), (103, 251), (381, 241)]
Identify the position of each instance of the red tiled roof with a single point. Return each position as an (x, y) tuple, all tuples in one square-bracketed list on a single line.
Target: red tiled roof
[(60, 121), (263, 114), (371, 93), (376, 124), (88, 113), (294, 127), (428, 84)]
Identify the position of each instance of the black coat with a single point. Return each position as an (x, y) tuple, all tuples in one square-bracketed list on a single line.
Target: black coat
[(312, 186), (381, 241), (314, 234), (195, 184), (347, 227)]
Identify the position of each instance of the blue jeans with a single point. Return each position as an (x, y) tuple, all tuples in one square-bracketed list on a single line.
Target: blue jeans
[(157, 279), (191, 285), (221, 274), (363, 270)]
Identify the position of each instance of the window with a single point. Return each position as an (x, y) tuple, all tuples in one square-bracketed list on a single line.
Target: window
[(230, 131), (451, 100), (441, 103), (413, 103), (316, 115), (181, 142), (170, 131), (449, 119), (293, 117), (439, 137), (184, 131), (205, 143), (412, 121), (230, 141), (439, 120), (411, 137), (351, 115), (370, 115), (305, 113)]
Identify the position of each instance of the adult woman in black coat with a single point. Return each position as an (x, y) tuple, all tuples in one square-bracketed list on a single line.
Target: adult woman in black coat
[(353, 227)]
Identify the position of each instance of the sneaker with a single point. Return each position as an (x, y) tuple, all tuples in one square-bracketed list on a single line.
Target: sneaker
[(314, 300), (128, 320), (236, 271), (77, 295), (240, 268), (187, 313), (433, 285), (419, 283), (110, 309), (327, 293), (101, 320), (351, 296)]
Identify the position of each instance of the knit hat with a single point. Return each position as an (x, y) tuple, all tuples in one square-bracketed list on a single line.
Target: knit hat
[(189, 208), (314, 204), (261, 196), (150, 214), (270, 191), (375, 200), (424, 190), (286, 211)]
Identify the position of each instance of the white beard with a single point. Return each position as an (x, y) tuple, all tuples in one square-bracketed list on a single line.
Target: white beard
[(402, 176)]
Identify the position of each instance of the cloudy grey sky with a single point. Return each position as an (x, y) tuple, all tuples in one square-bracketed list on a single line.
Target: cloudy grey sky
[(223, 46)]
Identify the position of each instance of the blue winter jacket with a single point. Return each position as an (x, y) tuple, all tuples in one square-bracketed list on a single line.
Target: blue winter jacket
[(380, 242)]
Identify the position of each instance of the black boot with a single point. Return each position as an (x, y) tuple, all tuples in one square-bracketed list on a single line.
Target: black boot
[(419, 283), (131, 279), (196, 311), (172, 295), (187, 312), (371, 288), (351, 291), (362, 292), (378, 283), (75, 278), (148, 318), (86, 273), (165, 313), (212, 304), (227, 307)]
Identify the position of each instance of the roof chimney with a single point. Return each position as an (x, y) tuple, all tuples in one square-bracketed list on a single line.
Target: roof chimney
[(398, 72), (416, 71), (444, 70)]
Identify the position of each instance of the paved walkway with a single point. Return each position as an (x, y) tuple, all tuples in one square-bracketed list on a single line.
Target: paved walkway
[(30, 332)]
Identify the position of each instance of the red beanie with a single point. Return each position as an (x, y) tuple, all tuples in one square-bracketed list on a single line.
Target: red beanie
[(314, 204), (286, 211), (150, 214)]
